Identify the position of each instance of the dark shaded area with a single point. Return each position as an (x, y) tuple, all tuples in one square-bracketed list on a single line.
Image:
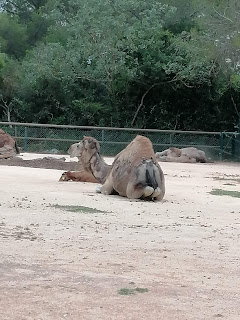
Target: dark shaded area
[(45, 163)]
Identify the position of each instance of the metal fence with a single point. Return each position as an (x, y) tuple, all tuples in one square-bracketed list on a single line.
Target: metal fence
[(42, 138)]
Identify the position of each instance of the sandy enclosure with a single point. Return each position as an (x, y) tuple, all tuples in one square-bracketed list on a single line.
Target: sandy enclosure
[(125, 259)]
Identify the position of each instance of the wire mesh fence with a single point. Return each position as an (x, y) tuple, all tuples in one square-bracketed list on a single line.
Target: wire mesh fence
[(42, 138)]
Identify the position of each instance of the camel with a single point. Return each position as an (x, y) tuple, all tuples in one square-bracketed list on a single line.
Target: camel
[(8, 146), (189, 155), (100, 167), (82, 176), (135, 172)]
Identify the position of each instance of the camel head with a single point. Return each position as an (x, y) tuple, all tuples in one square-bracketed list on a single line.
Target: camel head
[(175, 152), (85, 150), (74, 150), (88, 146)]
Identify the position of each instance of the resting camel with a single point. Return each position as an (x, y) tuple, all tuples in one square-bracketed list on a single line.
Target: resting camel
[(135, 172), (189, 154), (87, 161), (8, 146), (82, 176)]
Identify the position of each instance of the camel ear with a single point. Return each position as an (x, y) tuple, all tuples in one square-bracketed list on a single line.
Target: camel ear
[(85, 141)]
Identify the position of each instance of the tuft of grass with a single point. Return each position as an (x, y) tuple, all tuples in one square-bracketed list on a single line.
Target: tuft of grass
[(128, 292), (220, 192), (141, 290), (77, 208)]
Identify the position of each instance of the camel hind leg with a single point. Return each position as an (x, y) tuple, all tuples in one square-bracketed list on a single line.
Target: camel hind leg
[(160, 190), (146, 182), (154, 181), (134, 192), (137, 187)]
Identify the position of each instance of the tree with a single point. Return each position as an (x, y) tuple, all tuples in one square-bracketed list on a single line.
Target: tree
[(9, 83), (125, 63), (13, 38), (220, 23)]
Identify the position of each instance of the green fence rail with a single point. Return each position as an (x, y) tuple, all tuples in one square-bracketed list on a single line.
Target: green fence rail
[(43, 138)]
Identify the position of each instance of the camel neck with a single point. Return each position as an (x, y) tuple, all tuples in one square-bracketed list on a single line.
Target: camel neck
[(99, 168)]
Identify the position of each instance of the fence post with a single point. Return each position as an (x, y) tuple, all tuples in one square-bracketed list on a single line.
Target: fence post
[(102, 140), (15, 131), (170, 139), (221, 146), (25, 139)]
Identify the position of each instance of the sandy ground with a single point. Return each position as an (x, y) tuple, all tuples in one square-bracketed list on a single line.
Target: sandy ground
[(179, 259)]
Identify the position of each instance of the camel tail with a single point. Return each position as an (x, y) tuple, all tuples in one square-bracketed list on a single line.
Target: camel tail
[(150, 176)]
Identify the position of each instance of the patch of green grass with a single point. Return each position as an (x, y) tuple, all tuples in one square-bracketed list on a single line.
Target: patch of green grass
[(141, 290), (220, 192), (128, 292), (77, 208)]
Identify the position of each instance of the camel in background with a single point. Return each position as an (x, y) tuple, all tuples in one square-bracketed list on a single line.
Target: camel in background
[(189, 155)]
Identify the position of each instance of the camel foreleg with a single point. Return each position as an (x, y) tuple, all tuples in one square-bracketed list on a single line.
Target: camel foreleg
[(107, 187)]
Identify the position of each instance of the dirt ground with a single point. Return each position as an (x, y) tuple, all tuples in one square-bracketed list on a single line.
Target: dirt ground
[(124, 259)]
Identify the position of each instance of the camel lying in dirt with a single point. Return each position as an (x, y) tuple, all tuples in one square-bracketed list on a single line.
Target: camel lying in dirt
[(189, 154), (135, 172), (82, 176), (8, 146), (101, 168)]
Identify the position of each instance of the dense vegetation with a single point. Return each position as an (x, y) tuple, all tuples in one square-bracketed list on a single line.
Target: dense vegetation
[(170, 64)]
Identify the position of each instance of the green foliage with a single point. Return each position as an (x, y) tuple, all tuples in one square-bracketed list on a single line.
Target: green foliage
[(156, 64), (220, 192), (13, 38), (132, 291), (81, 209)]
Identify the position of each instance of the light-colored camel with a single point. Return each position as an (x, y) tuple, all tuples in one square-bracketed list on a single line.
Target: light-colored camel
[(91, 161), (82, 176), (135, 172), (189, 154), (8, 146)]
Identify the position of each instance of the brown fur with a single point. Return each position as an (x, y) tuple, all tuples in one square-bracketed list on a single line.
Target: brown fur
[(175, 152), (173, 158), (135, 172), (8, 146), (82, 176), (88, 153)]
